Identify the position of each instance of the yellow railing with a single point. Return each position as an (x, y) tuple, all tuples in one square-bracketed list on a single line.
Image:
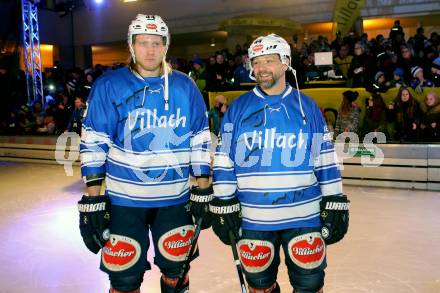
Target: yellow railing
[(331, 97)]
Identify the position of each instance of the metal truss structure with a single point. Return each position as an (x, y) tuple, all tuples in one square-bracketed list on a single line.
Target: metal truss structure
[(31, 48)]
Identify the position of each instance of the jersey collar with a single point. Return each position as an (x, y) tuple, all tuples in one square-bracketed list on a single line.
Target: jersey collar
[(261, 94)]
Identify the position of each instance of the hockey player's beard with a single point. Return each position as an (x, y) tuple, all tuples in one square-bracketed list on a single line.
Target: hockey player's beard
[(267, 82)]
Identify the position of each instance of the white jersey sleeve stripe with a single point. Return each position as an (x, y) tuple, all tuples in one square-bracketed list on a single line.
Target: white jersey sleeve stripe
[(283, 213), (275, 222), (326, 159), (224, 190), (90, 135), (149, 159), (275, 182), (279, 173), (200, 138), (149, 183), (222, 160), (90, 156), (146, 199), (148, 168), (153, 191), (334, 188)]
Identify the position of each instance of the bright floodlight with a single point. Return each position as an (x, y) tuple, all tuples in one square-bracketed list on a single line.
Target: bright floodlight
[(99, 1)]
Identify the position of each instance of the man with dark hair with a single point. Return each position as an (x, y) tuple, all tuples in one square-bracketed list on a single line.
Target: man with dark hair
[(276, 179)]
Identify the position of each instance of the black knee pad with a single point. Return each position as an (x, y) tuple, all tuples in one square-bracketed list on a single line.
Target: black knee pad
[(275, 288), (166, 287), (262, 283), (126, 283), (172, 272), (310, 283)]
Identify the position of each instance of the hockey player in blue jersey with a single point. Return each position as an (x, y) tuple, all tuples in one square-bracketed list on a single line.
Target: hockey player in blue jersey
[(145, 132), (276, 178)]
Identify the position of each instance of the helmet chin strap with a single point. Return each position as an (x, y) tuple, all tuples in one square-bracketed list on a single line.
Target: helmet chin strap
[(299, 96), (165, 72)]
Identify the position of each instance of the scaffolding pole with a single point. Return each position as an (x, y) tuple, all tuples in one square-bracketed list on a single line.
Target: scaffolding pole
[(32, 55)]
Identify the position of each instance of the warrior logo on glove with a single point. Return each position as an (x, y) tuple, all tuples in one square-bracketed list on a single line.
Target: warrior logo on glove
[(94, 218), (334, 218)]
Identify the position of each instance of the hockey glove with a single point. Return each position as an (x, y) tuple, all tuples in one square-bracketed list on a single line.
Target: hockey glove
[(199, 204), (94, 219), (334, 217), (226, 216)]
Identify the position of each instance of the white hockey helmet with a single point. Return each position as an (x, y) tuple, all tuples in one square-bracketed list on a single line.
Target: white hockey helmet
[(147, 24), (270, 44), (274, 44)]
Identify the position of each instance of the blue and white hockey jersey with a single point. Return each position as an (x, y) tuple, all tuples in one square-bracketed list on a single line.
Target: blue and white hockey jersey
[(144, 152), (278, 164)]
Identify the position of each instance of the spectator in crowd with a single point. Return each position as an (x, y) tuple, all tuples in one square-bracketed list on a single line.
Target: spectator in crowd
[(397, 36), (242, 71), (375, 119), (435, 69), (63, 112), (37, 109), (9, 124), (216, 113), (348, 116), (407, 61), (343, 60), (26, 121), (73, 84), (88, 85), (338, 42), (419, 42), (76, 119), (380, 82), (45, 124), (174, 63), (361, 68), (218, 76), (238, 50), (198, 74), (419, 82), (397, 80), (430, 125), (308, 67), (405, 113)]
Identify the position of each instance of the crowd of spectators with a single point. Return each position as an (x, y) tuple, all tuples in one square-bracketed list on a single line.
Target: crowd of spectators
[(376, 64), (65, 97), (405, 119)]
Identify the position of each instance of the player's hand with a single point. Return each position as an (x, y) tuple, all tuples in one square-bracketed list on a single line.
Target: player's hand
[(334, 217), (226, 216), (94, 219), (199, 204)]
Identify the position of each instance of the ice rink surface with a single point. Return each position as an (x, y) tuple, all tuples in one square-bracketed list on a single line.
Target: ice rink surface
[(393, 244)]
